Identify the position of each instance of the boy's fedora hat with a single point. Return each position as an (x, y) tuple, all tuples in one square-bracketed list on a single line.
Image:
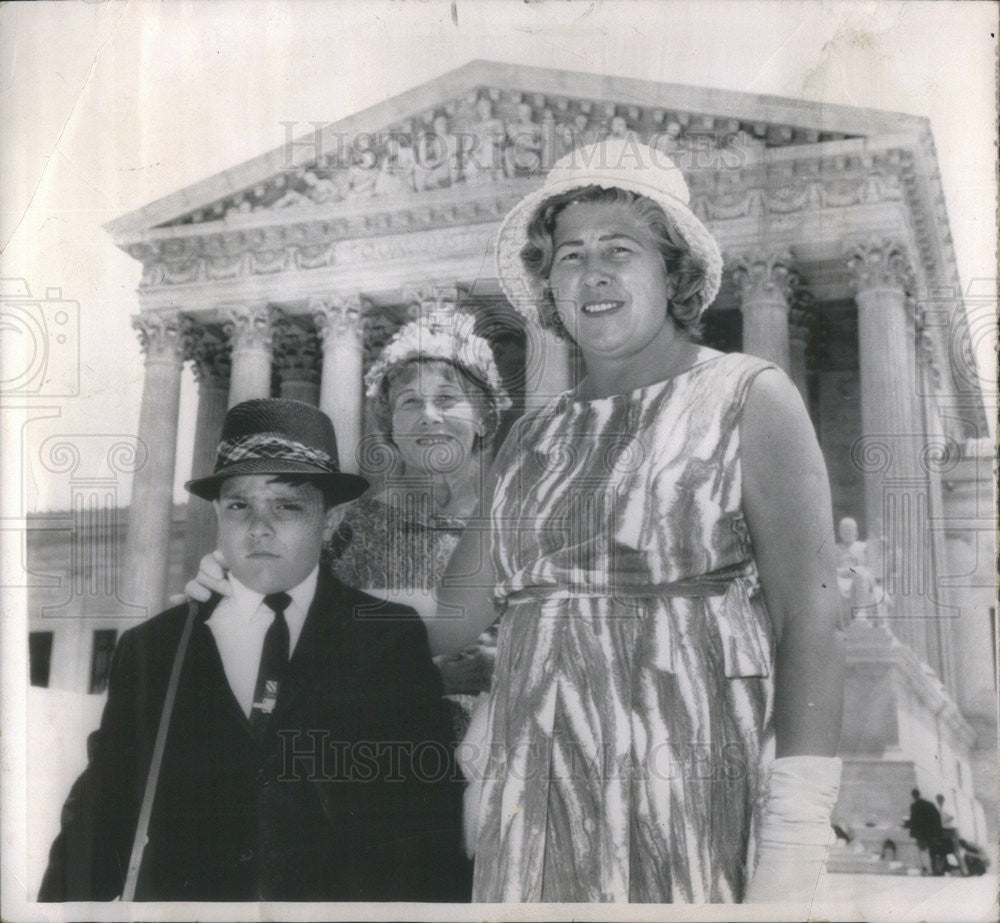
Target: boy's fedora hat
[(277, 436)]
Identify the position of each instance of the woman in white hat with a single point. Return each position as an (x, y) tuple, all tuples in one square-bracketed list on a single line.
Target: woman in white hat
[(666, 699)]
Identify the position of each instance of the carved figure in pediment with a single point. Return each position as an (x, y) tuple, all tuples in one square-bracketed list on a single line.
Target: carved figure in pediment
[(291, 199), (242, 204), (396, 169), (747, 149), (575, 133), (618, 127), (524, 144), (438, 157), (362, 175), (483, 160), (321, 190), (668, 140)]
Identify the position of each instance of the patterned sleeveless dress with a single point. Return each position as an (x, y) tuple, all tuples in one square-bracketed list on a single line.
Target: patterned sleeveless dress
[(632, 696)]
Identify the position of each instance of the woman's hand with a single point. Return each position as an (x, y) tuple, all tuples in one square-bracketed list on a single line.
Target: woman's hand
[(212, 577)]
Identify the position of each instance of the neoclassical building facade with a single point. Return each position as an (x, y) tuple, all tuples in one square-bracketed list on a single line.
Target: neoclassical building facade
[(285, 276)]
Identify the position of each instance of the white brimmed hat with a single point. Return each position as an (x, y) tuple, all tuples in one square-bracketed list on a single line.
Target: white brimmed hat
[(615, 163)]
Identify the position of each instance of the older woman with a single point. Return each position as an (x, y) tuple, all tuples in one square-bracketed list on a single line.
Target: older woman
[(437, 399), (666, 700)]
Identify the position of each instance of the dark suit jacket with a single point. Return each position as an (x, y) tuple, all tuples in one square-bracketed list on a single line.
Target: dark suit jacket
[(352, 795), (925, 821)]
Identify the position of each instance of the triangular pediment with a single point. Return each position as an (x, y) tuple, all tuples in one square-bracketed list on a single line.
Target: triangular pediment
[(486, 123)]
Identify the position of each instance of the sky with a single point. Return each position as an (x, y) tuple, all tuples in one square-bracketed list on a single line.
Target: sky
[(107, 106)]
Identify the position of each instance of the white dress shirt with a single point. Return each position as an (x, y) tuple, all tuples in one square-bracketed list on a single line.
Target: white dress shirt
[(239, 624)]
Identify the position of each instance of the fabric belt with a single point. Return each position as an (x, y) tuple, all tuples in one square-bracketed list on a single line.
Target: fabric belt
[(714, 583)]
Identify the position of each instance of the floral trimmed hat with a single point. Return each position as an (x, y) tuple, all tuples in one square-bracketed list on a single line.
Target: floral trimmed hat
[(441, 337)]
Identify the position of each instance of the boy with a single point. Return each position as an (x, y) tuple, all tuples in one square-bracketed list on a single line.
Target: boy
[(307, 754)]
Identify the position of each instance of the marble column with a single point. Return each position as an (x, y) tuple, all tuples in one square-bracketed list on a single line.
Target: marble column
[(210, 357), (801, 322), (297, 355), (889, 451), (148, 544), (251, 332), (940, 456), (339, 325), (549, 366), (765, 282)]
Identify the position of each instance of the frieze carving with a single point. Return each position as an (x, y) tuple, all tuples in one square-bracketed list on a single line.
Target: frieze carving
[(221, 268), (875, 264), (249, 326), (380, 249), (753, 189), (209, 353), (160, 336), (338, 317)]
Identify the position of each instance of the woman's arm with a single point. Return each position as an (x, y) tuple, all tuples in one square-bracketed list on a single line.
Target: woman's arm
[(465, 594), (786, 497)]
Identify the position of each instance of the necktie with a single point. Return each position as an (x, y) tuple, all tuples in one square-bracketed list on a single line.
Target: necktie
[(273, 663)]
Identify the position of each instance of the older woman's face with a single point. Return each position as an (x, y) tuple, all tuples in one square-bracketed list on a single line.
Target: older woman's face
[(608, 279), (434, 420)]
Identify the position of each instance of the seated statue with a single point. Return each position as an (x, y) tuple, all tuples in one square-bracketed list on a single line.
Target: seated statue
[(858, 586)]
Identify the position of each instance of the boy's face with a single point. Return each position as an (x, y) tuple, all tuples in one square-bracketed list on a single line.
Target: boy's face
[(271, 533)]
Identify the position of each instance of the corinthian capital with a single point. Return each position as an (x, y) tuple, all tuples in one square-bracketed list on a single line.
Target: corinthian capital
[(248, 326), (208, 352), (764, 276), (875, 264), (431, 299), (160, 335), (337, 317)]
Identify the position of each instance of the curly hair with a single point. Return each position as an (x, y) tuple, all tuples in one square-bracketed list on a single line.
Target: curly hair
[(686, 274)]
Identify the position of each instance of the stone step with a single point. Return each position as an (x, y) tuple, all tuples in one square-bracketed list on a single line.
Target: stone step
[(865, 864)]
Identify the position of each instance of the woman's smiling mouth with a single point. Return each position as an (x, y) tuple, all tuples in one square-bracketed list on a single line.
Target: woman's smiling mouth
[(601, 307), (433, 440)]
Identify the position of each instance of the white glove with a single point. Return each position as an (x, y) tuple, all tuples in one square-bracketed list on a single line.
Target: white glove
[(795, 831)]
